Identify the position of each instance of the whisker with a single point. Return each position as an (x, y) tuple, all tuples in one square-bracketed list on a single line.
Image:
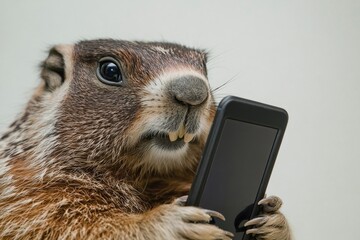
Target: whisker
[(225, 83), (212, 57)]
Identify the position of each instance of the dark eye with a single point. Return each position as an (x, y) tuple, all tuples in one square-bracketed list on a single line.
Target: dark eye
[(109, 72)]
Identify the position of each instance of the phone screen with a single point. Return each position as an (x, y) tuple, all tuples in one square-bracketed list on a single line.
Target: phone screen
[(236, 172)]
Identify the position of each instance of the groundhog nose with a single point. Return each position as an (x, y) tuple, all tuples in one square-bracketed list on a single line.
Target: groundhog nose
[(189, 90)]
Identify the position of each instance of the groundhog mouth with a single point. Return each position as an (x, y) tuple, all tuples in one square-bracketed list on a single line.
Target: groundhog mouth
[(168, 141)]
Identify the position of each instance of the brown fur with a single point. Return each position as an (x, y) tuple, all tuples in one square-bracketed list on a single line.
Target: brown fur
[(76, 165)]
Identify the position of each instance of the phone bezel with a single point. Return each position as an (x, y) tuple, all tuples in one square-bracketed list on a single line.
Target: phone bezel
[(244, 110)]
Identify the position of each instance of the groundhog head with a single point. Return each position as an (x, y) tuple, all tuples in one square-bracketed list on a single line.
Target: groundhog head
[(140, 106)]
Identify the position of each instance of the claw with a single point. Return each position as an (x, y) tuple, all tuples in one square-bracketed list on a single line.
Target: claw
[(265, 201), (255, 221), (181, 200), (254, 231), (215, 214), (270, 204), (229, 234)]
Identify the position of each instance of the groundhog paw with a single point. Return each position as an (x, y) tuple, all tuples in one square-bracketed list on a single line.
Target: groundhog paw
[(272, 225), (184, 222)]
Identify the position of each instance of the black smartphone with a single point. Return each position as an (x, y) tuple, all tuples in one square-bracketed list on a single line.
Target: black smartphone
[(238, 158)]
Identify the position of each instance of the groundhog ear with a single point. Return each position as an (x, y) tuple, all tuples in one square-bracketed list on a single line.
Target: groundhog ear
[(55, 68)]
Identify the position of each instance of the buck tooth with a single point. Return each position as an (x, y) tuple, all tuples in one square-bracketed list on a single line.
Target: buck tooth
[(188, 137), (182, 131), (173, 136)]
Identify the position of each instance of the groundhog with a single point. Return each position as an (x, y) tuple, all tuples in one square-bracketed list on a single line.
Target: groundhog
[(108, 146)]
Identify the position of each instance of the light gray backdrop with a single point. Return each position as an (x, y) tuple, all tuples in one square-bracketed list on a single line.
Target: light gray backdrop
[(300, 55)]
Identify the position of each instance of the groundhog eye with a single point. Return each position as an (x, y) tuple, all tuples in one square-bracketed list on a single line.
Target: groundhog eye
[(109, 72)]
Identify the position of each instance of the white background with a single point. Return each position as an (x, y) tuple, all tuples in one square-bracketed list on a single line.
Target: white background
[(301, 55)]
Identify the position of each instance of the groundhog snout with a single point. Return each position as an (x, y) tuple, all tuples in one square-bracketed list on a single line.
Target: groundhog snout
[(188, 90)]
